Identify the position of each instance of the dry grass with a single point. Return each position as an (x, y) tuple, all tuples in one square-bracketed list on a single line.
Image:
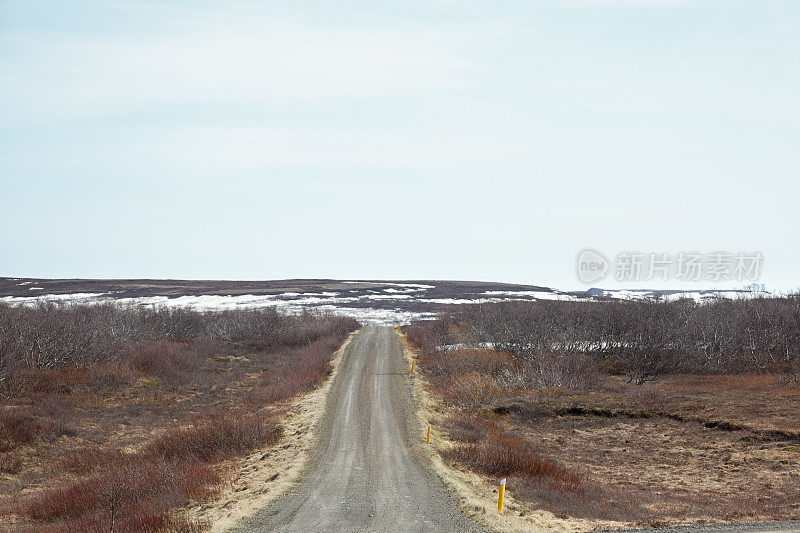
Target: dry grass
[(306, 369), (137, 495), (672, 448), (216, 437), (140, 491), (17, 428), (10, 463), (499, 454), (684, 449), (265, 474), (132, 438)]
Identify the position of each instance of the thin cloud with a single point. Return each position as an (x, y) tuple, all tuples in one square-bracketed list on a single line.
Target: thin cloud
[(54, 75)]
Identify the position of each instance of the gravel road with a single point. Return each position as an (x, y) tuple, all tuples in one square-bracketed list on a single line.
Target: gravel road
[(365, 474)]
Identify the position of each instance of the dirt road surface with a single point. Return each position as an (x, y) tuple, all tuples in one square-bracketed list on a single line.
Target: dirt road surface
[(366, 474)]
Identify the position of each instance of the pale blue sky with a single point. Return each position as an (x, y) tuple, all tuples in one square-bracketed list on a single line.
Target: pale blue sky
[(431, 139)]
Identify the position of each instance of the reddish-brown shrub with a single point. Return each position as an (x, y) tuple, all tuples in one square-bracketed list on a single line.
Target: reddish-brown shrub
[(502, 455), (141, 489), (570, 370), (73, 364), (109, 377), (17, 429), (645, 397), (297, 371), (135, 520), (87, 460), (472, 390), (216, 437), (10, 464), (165, 359), (125, 491), (469, 429)]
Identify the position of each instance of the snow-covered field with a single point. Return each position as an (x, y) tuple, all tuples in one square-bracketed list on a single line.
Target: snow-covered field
[(698, 296), (288, 302), (376, 302)]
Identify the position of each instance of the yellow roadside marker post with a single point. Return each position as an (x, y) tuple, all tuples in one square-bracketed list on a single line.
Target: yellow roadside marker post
[(502, 495), (429, 433), (412, 366)]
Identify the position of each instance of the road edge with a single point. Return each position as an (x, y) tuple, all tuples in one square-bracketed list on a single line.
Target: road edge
[(477, 498), (266, 474)]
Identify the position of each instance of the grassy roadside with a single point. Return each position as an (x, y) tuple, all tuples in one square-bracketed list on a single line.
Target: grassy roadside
[(685, 449), (266, 473), (148, 434), (477, 494)]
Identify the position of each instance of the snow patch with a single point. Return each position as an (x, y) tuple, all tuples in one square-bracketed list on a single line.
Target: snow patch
[(538, 295), (457, 301), (33, 300), (697, 296)]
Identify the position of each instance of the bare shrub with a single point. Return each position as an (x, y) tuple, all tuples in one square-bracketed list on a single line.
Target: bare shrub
[(647, 397), (502, 455), (297, 372), (17, 429), (167, 360), (58, 336), (131, 496), (574, 371), (108, 365), (469, 429), (216, 437), (109, 377), (139, 490), (472, 390), (644, 339), (58, 410), (10, 463), (87, 460)]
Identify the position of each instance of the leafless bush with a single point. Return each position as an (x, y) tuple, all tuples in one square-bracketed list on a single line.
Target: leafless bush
[(568, 370), (138, 491), (51, 335), (10, 463), (17, 428), (61, 363), (499, 454), (302, 370), (133, 496), (472, 390), (648, 397), (84, 461), (647, 338), (216, 437)]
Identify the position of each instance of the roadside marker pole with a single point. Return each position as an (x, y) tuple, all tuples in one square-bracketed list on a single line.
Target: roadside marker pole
[(412, 366), (429, 433), (502, 495)]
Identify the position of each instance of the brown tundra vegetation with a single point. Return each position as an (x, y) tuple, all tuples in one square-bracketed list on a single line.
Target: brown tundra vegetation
[(118, 418), (648, 413)]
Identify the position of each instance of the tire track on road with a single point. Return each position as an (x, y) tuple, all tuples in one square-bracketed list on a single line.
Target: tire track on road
[(365, 474)]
